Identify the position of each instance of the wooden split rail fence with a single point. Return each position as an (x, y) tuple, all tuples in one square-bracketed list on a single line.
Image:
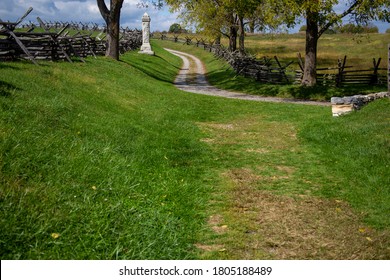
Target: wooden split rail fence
[(72, 25), (205, 44), (271, 70), (345, 75), (267, 70), (58, 44)]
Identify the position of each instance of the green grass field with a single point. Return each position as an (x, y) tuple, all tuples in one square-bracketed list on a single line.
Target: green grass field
[(107, 160), (360, 51)]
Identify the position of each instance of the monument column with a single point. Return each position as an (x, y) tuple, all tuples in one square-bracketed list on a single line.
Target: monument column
[(146, 48)]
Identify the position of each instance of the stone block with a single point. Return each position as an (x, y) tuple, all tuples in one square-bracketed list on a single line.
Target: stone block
[(342, 109), (344, 105)]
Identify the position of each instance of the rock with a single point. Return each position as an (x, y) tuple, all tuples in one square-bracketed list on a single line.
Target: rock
[(338, 110), (344, 105)]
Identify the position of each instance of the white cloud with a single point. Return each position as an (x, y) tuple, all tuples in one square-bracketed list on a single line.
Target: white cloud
[(87, 11), (83, 11)]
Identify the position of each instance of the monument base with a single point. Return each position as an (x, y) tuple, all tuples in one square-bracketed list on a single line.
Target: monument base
[(146, 49)]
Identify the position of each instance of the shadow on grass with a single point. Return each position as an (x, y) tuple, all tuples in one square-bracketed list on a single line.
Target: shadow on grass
[(7, 65), (150, 68), (6, 89)]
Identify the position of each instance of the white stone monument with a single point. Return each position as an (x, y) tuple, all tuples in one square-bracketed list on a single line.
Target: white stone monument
[(146, 48)]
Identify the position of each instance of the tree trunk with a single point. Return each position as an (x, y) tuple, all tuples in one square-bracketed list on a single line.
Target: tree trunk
[(233, 39), (252, 26), (241, 41), (218, 40), (113, 39), (312, 35), (233, 34), (112, 18)]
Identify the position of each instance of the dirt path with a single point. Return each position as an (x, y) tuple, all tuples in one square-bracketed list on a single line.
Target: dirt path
[(191, 78)]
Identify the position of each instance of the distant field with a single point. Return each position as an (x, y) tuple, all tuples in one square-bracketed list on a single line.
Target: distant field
[(359, 49)]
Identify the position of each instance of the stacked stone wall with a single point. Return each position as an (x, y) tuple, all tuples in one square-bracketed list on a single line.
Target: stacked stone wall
[(347, 104)]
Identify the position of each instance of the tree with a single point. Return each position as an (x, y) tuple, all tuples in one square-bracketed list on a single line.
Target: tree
[(320, 15), (225, 17), (246, 11), (175, 28), (211, 17), (112, 18)]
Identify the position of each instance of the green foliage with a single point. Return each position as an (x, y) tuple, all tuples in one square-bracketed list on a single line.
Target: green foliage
[(361, 11), (216, 17), (349, 28), (357, 29), (175, 28)]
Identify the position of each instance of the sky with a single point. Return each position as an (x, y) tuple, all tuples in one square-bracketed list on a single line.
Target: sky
[(84, 11), (87, 11)]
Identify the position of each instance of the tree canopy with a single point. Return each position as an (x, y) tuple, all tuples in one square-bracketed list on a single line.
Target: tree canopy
[(228, 18)]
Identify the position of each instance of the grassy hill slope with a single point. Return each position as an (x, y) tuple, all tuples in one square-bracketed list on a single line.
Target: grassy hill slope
[(107, 160), (102, 155)]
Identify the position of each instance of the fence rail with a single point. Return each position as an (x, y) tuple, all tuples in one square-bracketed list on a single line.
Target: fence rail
[(340, 75)]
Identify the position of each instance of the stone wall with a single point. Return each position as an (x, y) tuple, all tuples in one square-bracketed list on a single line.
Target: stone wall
[(344, 105)]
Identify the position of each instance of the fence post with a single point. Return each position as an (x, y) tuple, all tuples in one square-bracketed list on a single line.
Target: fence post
[(375, 77), (340, 74)]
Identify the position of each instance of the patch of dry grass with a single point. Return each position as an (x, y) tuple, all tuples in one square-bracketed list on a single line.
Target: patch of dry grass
[(299, 227), (359, 49), (252, 131), (265, 205)]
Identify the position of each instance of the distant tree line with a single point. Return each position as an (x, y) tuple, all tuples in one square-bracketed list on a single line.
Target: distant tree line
[(176, 28), (349, 28)]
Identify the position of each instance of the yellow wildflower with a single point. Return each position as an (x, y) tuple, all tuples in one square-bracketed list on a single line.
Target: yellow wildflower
[(55, 235)]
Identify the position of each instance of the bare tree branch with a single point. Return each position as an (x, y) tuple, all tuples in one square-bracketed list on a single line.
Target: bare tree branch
[(340, 16)]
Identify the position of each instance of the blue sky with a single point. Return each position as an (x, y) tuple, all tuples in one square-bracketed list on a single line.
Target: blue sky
[(84, 11), (87, 11)]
